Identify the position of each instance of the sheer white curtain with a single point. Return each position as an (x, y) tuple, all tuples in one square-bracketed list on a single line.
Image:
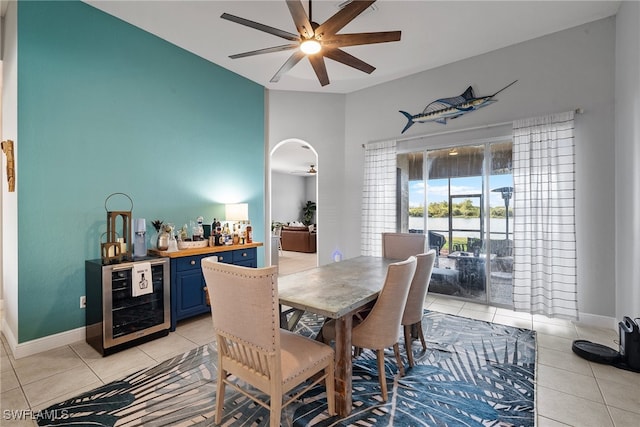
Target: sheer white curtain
[(544, 216), (378, 196)]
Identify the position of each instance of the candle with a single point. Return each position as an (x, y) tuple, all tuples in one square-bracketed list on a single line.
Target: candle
[(123, 245)]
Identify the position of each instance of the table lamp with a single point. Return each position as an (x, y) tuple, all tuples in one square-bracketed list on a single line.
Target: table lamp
[(237, 213)]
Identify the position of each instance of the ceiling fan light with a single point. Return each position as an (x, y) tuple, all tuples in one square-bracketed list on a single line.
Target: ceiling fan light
[(310, 46)]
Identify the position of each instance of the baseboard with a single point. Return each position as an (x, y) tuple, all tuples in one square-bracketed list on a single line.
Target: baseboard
[(39, 345), (8, 335), (597, 321)]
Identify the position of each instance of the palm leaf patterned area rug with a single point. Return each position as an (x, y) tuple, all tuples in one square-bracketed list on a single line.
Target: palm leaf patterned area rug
[(473, 373)]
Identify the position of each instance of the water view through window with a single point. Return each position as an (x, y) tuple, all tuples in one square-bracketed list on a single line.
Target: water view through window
[(462, 198)]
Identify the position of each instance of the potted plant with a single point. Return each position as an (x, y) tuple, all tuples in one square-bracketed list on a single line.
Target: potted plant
[(308, 210)]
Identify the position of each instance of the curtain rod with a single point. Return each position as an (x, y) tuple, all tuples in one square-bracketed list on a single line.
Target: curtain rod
[(493, 125)]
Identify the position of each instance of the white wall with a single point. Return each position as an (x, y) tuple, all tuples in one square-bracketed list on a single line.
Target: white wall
[(627, 151), (288, 194), (317, 119), (9, 231), (559, 72), (310, 191), (555, 73)]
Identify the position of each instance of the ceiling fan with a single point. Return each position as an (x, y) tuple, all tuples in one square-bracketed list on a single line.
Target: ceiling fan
[(311, 171), (318, 41)]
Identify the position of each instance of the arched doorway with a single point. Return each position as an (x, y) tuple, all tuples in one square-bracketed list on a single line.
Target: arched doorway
[(292, 183)]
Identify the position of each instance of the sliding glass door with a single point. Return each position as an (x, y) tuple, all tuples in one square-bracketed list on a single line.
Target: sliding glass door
[(460, 197)]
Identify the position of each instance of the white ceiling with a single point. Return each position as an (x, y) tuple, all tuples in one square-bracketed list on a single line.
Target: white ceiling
[(434, 33), (295, 158)]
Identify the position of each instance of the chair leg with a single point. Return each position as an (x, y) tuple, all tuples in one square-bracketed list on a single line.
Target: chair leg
[(381, 374), (220, 395), (276, 410), (421, 335), (330, 383), (407, 344), (396, 350), (275, 402)]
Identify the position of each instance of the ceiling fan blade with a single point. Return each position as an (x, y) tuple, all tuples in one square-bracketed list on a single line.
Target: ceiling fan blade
[(341, 40), (291, 62), (265, 50), (343, 17), (300, 18), (267, 29), (347, 59), (317, 62)]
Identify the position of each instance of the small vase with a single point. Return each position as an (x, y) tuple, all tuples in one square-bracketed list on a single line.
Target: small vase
[(163, 241)]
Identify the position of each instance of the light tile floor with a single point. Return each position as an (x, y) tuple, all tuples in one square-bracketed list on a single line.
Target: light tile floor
[(292, 262), (570, 390)]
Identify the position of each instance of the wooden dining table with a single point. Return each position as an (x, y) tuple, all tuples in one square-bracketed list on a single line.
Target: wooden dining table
[(335, 291)]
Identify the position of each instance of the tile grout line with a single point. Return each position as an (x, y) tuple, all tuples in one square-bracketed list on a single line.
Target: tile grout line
[(432, 300)]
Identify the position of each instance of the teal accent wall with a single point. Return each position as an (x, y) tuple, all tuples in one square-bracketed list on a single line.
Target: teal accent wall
[(104, 107)]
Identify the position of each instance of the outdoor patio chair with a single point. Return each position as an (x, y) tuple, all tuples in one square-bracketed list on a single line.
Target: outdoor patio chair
[(436, 241)]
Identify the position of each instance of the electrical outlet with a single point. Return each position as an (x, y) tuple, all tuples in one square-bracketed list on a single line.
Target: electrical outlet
[(83, 301)]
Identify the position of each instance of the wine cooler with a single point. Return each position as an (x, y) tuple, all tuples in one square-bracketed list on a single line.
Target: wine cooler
[(127, 303)]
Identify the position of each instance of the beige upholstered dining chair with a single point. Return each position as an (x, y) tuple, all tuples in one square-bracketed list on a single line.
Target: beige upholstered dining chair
[(414, 309), (251, 345), (402, 245), (381, 328)]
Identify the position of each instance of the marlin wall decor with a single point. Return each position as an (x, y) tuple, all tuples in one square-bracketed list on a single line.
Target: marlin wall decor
[(444, 109)]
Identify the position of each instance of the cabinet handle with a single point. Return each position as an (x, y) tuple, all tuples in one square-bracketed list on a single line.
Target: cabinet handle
[(193, 262), (244, 254), (220, 258)]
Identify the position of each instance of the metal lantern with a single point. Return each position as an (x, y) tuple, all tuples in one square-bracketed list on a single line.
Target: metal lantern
[(110, 251)]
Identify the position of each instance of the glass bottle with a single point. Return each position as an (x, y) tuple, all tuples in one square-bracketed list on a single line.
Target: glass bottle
[(248, 233), (236, 236)]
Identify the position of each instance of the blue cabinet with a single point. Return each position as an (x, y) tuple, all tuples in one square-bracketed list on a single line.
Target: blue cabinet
[(245, 258), (188, 288)]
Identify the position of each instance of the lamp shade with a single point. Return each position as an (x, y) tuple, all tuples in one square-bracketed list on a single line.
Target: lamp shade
[(237, 212)]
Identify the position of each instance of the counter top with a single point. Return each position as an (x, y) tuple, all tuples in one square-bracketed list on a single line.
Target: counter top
[(201, 251)]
